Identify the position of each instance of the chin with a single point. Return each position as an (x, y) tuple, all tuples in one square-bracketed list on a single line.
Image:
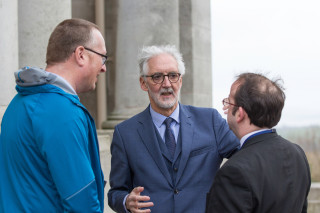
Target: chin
[(92, 87), (167, 104)]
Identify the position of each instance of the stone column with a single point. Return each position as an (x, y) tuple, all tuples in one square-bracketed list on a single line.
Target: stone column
[(139, 22), (8, 51), (195, 45), (37, 19)]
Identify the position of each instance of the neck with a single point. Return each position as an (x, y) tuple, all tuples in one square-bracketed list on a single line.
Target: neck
[(64, 71)]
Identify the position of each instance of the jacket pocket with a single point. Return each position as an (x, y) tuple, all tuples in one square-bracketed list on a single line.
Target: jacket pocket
[(201, 151)]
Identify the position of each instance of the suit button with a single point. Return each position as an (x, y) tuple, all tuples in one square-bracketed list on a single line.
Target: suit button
[(176, 191), (175, 169)]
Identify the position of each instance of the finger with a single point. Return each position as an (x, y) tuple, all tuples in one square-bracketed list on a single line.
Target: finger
[(145, 205), (143, 198), (141, 211), (138, 190)]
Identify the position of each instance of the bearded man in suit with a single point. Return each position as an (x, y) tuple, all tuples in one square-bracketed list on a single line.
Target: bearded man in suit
[(268, 173), (164, 158)]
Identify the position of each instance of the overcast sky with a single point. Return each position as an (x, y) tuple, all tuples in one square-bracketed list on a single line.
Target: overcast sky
[(277, 37)]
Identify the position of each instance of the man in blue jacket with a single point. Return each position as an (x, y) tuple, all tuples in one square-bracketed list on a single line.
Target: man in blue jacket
[(164, 158), (49, 153)]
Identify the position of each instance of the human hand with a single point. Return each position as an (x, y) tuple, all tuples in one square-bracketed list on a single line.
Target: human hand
[(135, 201)]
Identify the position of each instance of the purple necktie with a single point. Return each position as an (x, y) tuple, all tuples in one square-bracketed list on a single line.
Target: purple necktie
[(169, 137)]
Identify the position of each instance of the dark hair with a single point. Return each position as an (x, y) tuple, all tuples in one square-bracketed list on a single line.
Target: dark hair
[(261, 98), (66, 37)]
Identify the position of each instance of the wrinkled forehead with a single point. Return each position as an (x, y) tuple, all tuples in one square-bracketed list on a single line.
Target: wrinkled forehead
[(163, 63)]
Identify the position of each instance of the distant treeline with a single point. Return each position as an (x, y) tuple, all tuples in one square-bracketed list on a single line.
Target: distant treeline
[(307, 137)]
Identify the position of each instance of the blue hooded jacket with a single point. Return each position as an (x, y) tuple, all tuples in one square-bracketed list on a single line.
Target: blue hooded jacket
[(49, 152)]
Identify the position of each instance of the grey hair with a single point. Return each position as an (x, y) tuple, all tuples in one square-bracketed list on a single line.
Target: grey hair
[(148, 52)]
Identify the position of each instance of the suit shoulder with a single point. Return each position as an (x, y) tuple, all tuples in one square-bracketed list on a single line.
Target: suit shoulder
[(134, 119), (289, 144), (199, 110)]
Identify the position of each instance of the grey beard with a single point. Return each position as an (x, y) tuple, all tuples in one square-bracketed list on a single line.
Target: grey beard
[(165, 105)]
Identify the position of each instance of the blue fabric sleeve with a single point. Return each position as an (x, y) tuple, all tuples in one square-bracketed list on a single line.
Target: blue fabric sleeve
[(78, 201), (227, 142)]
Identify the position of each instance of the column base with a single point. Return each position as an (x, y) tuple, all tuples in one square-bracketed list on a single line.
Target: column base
[(112, 121)]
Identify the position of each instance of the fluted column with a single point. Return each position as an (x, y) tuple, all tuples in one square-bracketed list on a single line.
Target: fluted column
[(195, 45), (139, 22), (37, 19), (8, 51)]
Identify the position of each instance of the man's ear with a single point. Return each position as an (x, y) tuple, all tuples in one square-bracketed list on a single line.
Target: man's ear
[(143, 84), (241, 115), (79, 55)]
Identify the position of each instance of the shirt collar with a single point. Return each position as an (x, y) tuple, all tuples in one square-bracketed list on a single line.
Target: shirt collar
[(244, 138), (158, 118)]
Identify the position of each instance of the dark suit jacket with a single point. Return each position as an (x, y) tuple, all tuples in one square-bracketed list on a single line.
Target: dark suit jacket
[(138, 160), (268, 174)]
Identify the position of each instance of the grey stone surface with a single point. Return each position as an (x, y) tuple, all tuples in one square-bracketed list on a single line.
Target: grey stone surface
[(195, 45), (314, 198), (8, 52), (139, 23), (37, 19), (105, 138), (184, 23)]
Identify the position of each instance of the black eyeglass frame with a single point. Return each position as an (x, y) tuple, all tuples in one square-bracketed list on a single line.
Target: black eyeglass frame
[(163, 76), (105, 57), (226, 103)]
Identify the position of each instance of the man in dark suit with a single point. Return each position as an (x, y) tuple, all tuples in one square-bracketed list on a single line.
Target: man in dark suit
[(164, 157), (268, 173)]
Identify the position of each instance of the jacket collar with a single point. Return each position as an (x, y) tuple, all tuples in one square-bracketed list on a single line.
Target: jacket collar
[(259, 138)]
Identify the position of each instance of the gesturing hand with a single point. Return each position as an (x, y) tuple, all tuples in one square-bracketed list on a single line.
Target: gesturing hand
[(134, 201)]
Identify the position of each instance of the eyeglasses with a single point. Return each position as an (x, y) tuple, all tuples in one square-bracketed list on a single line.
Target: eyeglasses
[(104, 57), (227, 103), (158, 78)]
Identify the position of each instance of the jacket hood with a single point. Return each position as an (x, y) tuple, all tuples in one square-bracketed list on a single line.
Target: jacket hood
[(33, 76)]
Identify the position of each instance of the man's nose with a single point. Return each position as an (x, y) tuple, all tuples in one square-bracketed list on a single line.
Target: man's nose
[(166, 82), (104, 68)]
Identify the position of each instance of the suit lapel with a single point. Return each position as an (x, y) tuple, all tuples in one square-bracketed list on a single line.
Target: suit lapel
[(146, 131), (186, 131)]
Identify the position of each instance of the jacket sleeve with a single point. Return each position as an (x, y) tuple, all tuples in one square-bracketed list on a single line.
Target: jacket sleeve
[(230, 192), (227, 142), (120, 175)]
